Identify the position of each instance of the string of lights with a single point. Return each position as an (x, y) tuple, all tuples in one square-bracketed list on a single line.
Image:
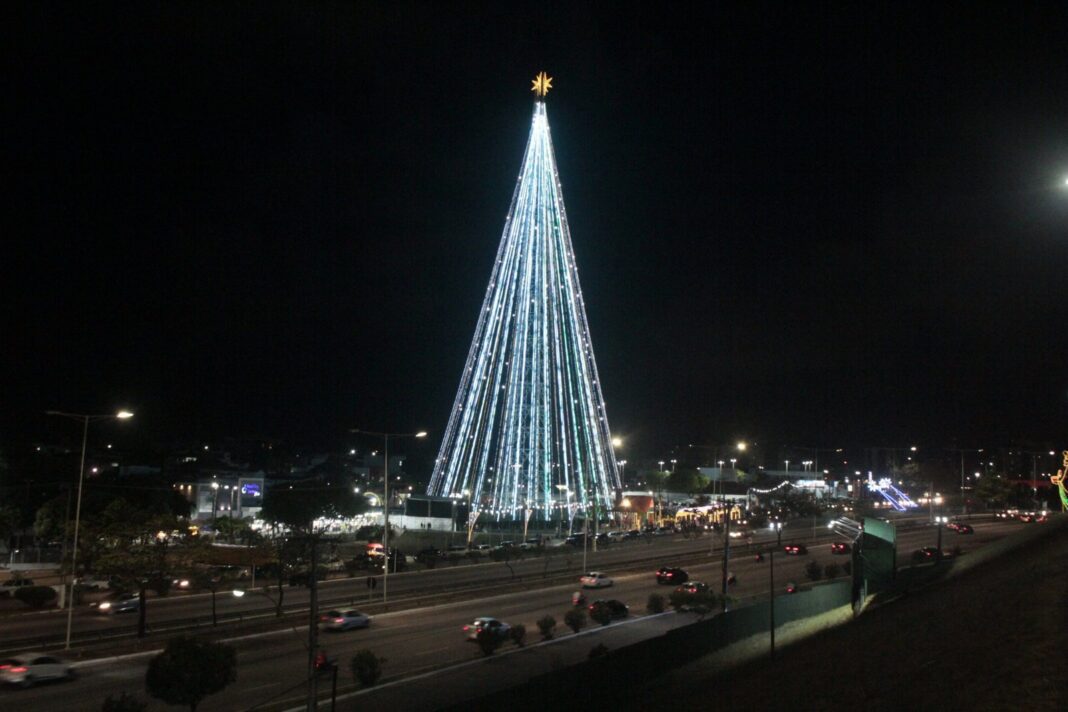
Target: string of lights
[(528, 429)]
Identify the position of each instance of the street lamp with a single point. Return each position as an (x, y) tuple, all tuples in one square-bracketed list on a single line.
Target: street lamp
[(85, 419), (673, 463), (385, 496)]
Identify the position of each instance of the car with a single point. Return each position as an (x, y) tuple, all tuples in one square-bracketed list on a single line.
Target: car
[(840, 547), (456, 549), (795, 549), (492, 625), (88, 583), (633, 534), (482, 548), (603, 538), (965, 529), (429, 554), (346, 620), (617, 536), (791, 587), (615, 609), (17, 582), (692, 587), (122, 603), (671, 574), (1027, 518), (29, 668), (575, 540), (927, 553), (595, 579)]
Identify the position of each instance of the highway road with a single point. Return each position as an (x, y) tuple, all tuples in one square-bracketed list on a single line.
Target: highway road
[(183, 611), (271, 664)]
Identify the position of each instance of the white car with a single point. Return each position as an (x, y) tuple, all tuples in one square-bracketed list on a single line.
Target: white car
[(345, 620), (497, 628), (595, 579), (29, 668)]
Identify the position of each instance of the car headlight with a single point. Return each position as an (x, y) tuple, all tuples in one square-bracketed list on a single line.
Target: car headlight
[(105, 606)]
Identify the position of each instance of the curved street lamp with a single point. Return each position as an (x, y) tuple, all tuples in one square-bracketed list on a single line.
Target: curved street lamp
[(385, 496), (85, 420)]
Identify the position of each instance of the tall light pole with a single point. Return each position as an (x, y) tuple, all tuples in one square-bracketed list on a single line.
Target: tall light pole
[(121, 415), (385, 497), (673, 463)]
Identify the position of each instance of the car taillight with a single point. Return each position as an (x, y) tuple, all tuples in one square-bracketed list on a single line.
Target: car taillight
[(467, 628), (18, 669)]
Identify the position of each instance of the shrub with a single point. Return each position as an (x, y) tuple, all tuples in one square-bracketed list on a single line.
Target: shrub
[(601, 614), (36, 596), (546, 626), (702, 602), (518, 634), (366, 667), (831, 570), (598, 651), (161, 585), (455, 557), (123, 703), (847, 567), (813, 571), (955, 551), (575, 619), (488, 641), (474, 557), (656, 603)]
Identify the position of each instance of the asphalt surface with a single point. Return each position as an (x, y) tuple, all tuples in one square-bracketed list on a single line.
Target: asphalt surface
[(271, 665)]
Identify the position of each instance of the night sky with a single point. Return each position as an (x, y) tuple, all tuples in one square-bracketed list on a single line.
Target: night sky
[(798, 223)]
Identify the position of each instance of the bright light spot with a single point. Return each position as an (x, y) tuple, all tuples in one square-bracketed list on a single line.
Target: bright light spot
[(617, 442), (741, 446), (238, 593), (124, 414)]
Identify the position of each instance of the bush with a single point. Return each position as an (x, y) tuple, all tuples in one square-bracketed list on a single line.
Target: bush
[(123, 703), (488, 641), (36, 596), (955, 551), (601, 614), (847, 568), (656, 603), (575, 619), (366, 667), (474, 557), (701, 602), (831, 571), (518, 634), (813, 571), (546, 626), (598, 651), (455, 557)]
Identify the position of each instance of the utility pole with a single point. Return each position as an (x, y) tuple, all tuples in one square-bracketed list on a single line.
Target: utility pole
[(726, 553), (771, 599), (313, 628)]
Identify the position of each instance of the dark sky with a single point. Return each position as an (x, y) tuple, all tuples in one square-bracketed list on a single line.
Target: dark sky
[(799, 223)]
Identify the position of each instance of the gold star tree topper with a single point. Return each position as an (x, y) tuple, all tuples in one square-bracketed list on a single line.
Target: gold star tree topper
[(542, 84)]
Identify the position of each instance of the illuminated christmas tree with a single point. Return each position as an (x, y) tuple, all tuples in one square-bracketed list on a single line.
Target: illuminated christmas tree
[(528, 434)]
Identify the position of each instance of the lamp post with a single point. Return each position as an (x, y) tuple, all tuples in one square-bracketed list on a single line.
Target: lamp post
[(214, 503), (85, 419), (385, 497)]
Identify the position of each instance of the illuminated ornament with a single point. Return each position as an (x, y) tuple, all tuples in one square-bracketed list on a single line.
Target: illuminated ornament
[(542, 84), (527, 430), (1058, 480)]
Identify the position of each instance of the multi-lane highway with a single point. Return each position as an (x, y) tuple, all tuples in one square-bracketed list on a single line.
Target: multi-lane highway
[(271, 664)]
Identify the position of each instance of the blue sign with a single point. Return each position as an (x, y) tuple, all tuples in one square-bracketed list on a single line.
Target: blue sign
[(251, 488)]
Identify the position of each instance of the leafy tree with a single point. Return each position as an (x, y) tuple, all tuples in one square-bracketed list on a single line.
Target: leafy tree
[(518, 634), (686, 480), (366, 667), (123, 703), (296, 507), (9, 521), (575, 619), (188, 670), (994, 490), (48, 522), (546, 626)]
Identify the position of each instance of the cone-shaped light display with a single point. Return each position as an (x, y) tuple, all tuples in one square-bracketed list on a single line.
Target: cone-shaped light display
[(528, 433)]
